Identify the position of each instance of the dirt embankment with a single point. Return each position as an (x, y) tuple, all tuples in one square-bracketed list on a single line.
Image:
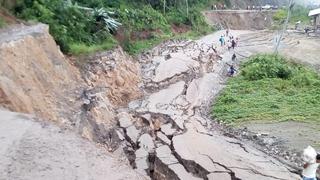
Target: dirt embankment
[(240, 19), (36, 78), (243, 4)]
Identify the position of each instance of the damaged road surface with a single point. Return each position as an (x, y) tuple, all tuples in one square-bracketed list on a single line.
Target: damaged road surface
[(33, 150), (168, 134)]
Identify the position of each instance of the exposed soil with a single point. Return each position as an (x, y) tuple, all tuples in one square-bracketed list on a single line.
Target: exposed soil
[(7, 17), (239, 19), (179, 29), (295, 135)]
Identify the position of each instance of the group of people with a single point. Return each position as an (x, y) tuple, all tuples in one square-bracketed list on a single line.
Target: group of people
[(231, 42), (228, 40), (219, 6)]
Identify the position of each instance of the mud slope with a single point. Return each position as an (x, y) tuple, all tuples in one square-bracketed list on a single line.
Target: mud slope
[(36, 78), (243, 4), (240, 19), (35, 151)]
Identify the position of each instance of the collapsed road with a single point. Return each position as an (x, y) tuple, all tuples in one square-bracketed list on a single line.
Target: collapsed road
[(165, 132), (168, 135)]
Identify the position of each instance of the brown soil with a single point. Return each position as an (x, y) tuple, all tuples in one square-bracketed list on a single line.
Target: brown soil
[(145, 34), (240, 19), (179, 29), (7, 17)]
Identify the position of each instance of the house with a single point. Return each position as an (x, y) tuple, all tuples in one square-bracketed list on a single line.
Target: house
[(316, 18)]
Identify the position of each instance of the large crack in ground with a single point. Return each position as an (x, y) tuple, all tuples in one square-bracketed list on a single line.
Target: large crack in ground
[(168, 134)]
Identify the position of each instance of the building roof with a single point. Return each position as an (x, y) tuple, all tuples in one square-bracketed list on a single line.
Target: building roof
[(314, 12)]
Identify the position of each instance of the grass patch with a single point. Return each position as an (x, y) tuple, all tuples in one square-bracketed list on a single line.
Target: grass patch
[(83, 49), (270, 89), (2, 23)]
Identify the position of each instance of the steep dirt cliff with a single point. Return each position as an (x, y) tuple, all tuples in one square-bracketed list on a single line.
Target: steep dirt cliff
[(36, 78), (242, 4), (240, 19)]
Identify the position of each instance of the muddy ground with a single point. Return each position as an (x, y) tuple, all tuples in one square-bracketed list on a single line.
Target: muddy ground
[(302, 49)]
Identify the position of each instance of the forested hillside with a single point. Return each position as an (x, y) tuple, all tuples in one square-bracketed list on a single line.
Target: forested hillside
[(84, 26)]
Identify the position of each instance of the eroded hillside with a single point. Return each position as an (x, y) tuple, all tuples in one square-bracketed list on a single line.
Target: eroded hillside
[(37, 79)]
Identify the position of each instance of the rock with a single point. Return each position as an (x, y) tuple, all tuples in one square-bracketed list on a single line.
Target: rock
[(146, 116), (125, 120), (179, 121), (181, 101), (178, 64), (142, 165), (181, 172), (165, 155), (158, 59), (163, 138), (141, 161), (268, 141), (215, 153), (141, 153), (159, 102), (167, 129), (134, 104), (203, 89), (120, 135), (133, 133), (146, 142), (220, 175)]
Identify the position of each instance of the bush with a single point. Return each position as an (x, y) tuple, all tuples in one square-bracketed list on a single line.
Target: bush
[(299, 13), (266, 66), (280, 15), (75, 28), (145, 18), (68, 24)]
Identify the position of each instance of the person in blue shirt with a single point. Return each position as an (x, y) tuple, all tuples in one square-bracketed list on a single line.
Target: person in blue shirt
[(222, 42)]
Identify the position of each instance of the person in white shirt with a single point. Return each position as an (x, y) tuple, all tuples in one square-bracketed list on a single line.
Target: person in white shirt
[(309, 171)]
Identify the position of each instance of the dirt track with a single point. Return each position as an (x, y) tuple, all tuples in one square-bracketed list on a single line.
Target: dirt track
[(36, 151)]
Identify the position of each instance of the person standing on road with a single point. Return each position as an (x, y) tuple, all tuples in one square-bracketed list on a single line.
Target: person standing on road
[(233, 43), (309, 171), (222, 41), (234, 57), (227, 32)]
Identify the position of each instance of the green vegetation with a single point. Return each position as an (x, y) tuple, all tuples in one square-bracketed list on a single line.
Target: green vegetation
[(299, 13), (2, 23), (85, 26), (270, 89)]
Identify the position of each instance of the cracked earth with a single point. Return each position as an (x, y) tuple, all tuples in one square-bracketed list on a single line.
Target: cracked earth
[(168, 133)]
